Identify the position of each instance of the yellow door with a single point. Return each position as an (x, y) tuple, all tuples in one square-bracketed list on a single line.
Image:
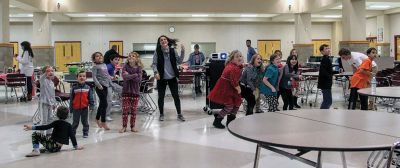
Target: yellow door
[(272, 46), (318, 43), (261, 48), (16, 51), (120, 47), (67, 52), (398, 48)]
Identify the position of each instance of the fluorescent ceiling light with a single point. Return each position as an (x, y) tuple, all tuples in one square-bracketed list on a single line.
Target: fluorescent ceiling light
[(12, 6), (379, 6), (30, 15), (148, 15), (248, 15), (199, 15), (332, 16), (96, 15)]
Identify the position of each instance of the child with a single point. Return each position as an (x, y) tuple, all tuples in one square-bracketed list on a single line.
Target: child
[(47, 99), (249, 81), (132, 75), (60, 136), (113, 62), (360, 80), (81, 98), (325, 77), (102, 80), (269, 84), (227, 89), (289, 74)]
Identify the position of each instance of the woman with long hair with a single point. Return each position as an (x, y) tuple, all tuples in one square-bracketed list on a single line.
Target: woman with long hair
[(26, 66), (165, 67)]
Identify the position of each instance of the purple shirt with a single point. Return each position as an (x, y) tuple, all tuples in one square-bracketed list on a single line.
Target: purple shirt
[(131, 81)]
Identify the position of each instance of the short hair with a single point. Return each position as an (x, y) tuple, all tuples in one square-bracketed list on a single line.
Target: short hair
[(322, 47), (112, 57), (44, 69), (344, 51), (62, 112), (248, 40), (278, 51), (370, 50), (80, 71), (94, 55), (196, 46), (272, 58)]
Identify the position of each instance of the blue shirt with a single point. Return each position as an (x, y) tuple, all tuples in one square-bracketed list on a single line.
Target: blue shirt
[(110, 69), (250, 53), (272, 73)]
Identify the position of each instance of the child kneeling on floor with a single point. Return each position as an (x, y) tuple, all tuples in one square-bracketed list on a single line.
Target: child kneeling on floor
[(62, 132)]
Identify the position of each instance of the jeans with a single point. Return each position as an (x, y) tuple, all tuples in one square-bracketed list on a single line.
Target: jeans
[(326, 98)]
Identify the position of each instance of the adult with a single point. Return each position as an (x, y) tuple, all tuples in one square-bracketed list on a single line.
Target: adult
[(325, 77), (249, 81), (165, 62), (26, 66), (250, 51), (353, 58), (112, 51), (196, 58)]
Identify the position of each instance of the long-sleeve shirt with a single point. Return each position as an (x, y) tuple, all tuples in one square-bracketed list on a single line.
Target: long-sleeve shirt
[(250, 52), (110, 69), (131, 81), (325, 73), (62, 132), (47, 91), (100, 76), (251, 76), (287, 76), (26, 64), (168, 71)]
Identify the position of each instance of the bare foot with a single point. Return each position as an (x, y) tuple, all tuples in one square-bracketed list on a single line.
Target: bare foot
[(122, 130), (98, 123), (104, 125), (134, 130)]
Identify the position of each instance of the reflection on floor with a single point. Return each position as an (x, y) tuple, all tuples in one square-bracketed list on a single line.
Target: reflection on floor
[(194, 143)]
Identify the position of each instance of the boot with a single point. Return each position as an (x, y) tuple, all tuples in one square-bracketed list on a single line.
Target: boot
[(230, 118), (217, 122), (295, 102)]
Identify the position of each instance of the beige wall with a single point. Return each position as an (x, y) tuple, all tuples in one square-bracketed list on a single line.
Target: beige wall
[(228, 36), (371, 25), (394, 29)]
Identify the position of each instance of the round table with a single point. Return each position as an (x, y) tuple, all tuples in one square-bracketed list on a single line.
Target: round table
[(384, 92), (318, 130)]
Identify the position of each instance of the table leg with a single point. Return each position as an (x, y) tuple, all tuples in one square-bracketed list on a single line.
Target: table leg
[(257, 157), (319, 160), (343, 159)]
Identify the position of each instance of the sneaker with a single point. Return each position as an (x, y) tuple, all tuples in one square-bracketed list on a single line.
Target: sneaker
[(43, 150), (33, 153), (108, 118), (181, 118), (85, 135), (161, 118)]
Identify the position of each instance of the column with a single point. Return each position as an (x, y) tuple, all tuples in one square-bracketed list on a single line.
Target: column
[(337, 36), (6, 49), (354, 25), (383, 35), (303, 39), (41, 44)]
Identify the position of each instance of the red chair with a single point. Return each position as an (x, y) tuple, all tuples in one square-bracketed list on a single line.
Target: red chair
[(186, 78), (15, 81)]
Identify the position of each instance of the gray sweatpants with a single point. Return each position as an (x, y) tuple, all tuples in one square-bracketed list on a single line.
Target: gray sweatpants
[(46, 115)]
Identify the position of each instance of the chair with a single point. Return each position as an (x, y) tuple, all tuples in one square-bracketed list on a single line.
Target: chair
[(186, 78), (385, 159), (146, 102), (61, 96), (15, 81)]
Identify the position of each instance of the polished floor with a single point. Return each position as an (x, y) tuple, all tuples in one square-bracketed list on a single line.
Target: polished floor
[(169, 144)]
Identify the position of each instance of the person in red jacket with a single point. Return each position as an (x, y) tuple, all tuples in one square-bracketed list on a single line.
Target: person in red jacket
[(227, 89), (81, 98)]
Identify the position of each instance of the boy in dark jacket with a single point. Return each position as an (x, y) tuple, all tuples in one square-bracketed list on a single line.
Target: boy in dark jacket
[(62, 132), (81, 98), (325, 77)]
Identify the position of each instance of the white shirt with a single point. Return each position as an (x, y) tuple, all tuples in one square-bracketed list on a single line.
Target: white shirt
[(25, 64), (357, 59)]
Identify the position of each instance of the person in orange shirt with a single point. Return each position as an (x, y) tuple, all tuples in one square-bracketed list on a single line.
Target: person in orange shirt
[(361, 79)]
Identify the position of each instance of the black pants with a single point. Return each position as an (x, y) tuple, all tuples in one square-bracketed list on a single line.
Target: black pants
[(82, 115), (101, 110), (353, 100), (247, 94), (173, 86), (197, 79), (287, 98), (29, 84)]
